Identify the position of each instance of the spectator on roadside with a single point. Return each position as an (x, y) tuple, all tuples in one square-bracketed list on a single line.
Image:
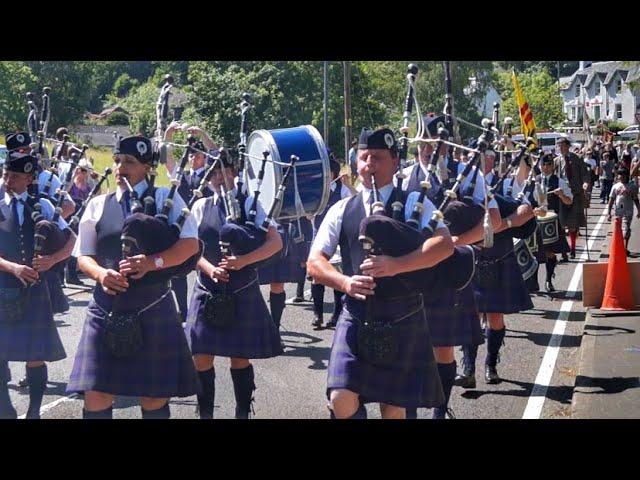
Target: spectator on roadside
[(623, 196), (606, 177)]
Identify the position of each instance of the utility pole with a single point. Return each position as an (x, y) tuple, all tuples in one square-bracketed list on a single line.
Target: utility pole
[(325, 109), (347, 109)]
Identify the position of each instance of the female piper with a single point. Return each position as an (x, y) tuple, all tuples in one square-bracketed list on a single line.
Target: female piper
[(245, 329), (79, 192), (159, 367), (31, 337)]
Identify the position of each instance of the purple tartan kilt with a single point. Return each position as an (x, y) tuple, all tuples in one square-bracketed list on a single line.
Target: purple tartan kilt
[(453, 318), (286, 269), (59, 301), (414, 383), (35, 337), (509, 295), (253, 335), (164, 368)]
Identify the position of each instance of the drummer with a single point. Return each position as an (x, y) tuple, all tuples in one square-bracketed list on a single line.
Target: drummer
[(557, 191)]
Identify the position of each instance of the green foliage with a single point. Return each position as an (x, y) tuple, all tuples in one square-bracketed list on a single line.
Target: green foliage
[(117, 118), (541, 93), (123, 84), (16, 79), (616, 125)]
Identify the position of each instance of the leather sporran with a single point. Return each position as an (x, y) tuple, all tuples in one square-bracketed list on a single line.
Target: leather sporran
[(123, 334), (487, 273), (219, 310), (12, 305), (378, 344)]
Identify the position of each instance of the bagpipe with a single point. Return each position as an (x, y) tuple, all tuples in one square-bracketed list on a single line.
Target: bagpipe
[(48, 236), (507, 204), (384, 235)]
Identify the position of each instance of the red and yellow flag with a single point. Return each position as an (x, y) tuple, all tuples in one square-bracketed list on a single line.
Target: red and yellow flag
[(526, 116)]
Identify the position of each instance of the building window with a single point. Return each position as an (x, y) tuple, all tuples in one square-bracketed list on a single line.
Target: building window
[(577, 94), (596, 113), (573, 113), (619, 85), (618, 111), (597, 87)]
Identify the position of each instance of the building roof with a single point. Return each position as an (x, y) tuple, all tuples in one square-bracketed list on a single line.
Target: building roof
[(605, 71)]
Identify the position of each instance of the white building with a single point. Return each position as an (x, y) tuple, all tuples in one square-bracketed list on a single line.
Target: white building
[(602, 88)]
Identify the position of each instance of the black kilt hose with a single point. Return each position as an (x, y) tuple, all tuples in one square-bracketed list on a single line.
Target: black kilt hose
[(252, 333), (162, 368), (505, 290), (286, 268)]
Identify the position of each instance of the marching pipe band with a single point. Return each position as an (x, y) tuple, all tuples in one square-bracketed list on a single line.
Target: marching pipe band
[(237, 235)]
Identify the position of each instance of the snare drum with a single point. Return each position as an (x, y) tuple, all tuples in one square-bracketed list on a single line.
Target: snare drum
[(307, 191), (549, 227), (526, 261)]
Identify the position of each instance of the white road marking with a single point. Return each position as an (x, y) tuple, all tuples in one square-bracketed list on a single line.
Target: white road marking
[(543, 379), (49, 406)]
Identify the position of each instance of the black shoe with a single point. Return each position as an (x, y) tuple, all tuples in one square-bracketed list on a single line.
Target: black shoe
[(298, 300), (332, 323), (549, 286), (317, 322), (491, 374), (23, 383), (573, 254), (564, 259), (465, 381)]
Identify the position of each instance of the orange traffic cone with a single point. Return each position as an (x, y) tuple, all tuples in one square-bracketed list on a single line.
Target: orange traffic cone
[(617, 290)]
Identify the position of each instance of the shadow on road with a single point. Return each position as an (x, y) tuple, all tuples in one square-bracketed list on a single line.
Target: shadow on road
[(606, 385), (543, 339), (560, 394)]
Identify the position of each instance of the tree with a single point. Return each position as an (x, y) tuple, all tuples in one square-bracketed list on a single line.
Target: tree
[(16, 79), (541, 92)]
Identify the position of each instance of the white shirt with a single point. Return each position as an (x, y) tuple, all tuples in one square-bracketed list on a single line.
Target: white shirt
[(478, 191), (344, 191), (87, 235), (518, 187), (198, 209), (47, 209), (328, 237)]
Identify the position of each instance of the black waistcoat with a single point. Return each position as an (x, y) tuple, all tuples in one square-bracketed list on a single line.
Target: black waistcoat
[(351, 249), (16, 242), (109, 245), (416, 176), (553, 201), (209, 232)]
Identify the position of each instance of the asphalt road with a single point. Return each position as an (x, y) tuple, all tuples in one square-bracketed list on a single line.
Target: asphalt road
[(293, 385)]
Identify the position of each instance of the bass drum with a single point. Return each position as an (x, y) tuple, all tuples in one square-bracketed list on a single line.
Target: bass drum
[(307, 192)]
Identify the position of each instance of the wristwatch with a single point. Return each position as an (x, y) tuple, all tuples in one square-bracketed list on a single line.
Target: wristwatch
[(158, 261)]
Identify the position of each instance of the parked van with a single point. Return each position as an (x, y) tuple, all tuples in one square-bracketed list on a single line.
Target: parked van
[(546, 140)]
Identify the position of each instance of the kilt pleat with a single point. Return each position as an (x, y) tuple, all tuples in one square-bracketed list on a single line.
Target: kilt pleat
[(35, 337), (414, 382), (252, 335), (163, 368), (453, 318)]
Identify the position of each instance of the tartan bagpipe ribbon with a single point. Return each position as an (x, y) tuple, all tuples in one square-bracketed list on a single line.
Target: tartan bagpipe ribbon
[(526, 116)]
